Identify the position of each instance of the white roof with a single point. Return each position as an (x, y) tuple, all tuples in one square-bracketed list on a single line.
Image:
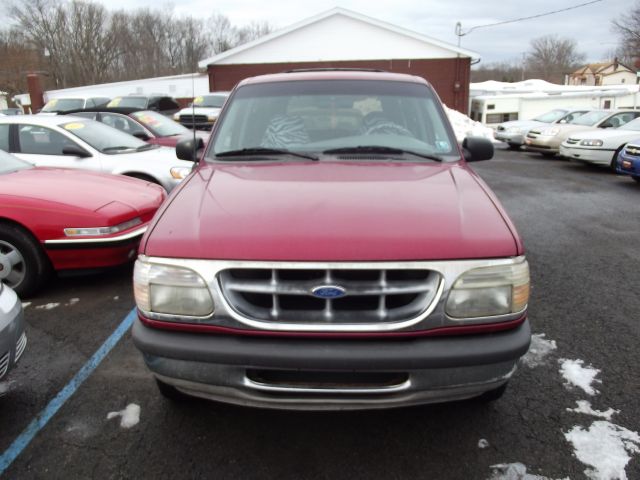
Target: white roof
[(338, 35)]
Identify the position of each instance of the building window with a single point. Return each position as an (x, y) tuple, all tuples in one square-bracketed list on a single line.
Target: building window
[(491, 106), (501, 117)]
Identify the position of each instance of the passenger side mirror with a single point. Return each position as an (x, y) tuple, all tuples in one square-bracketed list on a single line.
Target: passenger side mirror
[(188, 150), (476, 149), (75, 151), (606, 124)]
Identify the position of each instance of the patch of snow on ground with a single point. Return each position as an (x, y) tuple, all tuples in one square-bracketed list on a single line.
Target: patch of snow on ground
[(538, 350), (116, 297), (605, 447), (5, 387), (48, 306), (482, 443), (513, 471), (584, 406), (130, 415), (25, 304), (577, 375), (463, 126), (72, 301)]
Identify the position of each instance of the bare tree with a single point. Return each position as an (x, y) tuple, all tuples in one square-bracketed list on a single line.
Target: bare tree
[(551, 57), (506, 71), (627, 27)]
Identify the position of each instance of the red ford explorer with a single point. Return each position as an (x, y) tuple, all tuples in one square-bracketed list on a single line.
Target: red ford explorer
[(333, 250)]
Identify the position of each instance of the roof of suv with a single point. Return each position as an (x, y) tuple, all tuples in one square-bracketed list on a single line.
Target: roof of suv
[(337, 74)]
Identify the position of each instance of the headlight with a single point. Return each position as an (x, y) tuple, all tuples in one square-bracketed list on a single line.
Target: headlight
[(212, 118), (176, 116), (98, 231), (180, 172), (551, 131), (591, 143), (514, 130), (170, 290), (490, 291)]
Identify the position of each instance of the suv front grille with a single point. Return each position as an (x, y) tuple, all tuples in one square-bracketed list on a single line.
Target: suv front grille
[(193, 118), (370, 295), (633, 150)]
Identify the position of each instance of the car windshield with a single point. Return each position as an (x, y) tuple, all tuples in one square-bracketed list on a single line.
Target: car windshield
[(552, 116), (104, 138), (214, 101), (160, 125), (133, 102), (314, 116), (590, 118), (63, 104), (632, 125), (9, 163)]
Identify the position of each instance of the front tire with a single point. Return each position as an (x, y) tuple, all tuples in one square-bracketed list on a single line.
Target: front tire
[(24, 265), (636, 178), (492, 395), (170, 392)]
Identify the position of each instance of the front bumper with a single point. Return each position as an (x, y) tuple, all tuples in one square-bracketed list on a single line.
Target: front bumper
[(510, 138), (13, 339), (433, 369), (598, 156), (542, 144), (628, 165)]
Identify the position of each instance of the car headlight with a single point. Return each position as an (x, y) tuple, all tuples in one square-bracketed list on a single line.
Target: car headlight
[(212, 118), (551, 131), (514, 130), (490, 291), (180, 172), (176, 116), (592, 143), (172, 290), (98, 231)]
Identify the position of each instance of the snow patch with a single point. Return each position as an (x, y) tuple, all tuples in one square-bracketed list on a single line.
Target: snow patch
[(482, 443), (514, 471), (584, 406), (539, 349), (577, 375), (48, 306), (130, 415), (605, 447), (116, 297), (72, 302), (25, 304), (463, 126), (5, 387)]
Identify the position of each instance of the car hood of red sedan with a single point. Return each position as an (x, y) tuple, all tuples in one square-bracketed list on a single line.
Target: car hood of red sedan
[(79, 189), (333, 211)]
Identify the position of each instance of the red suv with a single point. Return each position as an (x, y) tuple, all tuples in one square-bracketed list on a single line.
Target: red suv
[(332, 250)]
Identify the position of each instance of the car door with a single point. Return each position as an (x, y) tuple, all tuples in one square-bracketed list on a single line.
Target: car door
[(46, 147)]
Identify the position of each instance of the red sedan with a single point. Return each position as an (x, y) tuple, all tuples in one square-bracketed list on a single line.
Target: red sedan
[(57, 219)]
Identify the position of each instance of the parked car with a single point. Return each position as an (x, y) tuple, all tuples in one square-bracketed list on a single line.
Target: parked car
[(601, 147), (11, 111), (513, 132), (546, 141), (74, 142), (333, 250), (628, 162), (203, 111), (146, 125), (13, 338), (158, 103), (63, 104), (62, 219)]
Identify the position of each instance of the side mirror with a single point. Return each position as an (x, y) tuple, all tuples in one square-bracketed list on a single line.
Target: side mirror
[(188, 150), (75, 151), (141, 135), (606, 124), (476, 149)]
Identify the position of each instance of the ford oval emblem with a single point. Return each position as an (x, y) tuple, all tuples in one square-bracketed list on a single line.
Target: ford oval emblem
[(328, 291)]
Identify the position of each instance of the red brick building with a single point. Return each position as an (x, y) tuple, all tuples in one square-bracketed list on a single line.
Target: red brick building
[(342, 38)]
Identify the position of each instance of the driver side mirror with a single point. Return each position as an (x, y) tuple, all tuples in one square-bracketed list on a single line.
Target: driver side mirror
[(188, 150), (75, 151), (476, 149)]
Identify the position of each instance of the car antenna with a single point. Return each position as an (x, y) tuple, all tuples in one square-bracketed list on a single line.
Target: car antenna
[(193, 115)]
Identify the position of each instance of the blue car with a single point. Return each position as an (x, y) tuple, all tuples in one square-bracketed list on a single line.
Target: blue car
[(629, 160), (13, 339)]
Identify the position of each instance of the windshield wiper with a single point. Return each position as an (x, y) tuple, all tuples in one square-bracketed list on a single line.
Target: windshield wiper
[(119, 147), (264, 151), (146, 146), (381, 149)]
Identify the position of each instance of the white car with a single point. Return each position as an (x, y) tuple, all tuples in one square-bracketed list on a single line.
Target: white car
[(513, 132), (600, 146), (64, 104), (74, 142), (203, 112)]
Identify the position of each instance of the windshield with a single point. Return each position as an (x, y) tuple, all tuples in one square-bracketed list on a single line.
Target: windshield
[(160, 125), (552, 116), (632, 125), (104, 138), (63, 104), (9, 163), (590, 118), (215, 101), (316, 116), (133, 102)]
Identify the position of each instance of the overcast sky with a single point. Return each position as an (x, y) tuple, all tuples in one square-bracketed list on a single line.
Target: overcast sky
[(590, 25)]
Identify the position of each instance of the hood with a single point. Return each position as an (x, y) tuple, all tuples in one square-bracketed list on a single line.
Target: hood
[(82, 190), (523, 124), (201, 111), (332, 211), (608, 134)]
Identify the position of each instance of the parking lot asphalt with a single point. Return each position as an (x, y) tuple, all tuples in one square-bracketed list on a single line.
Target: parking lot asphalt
[(581, 227)]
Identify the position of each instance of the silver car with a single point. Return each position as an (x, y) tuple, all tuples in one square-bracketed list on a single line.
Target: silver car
[(513, 132), (73, 142), (13, 338)]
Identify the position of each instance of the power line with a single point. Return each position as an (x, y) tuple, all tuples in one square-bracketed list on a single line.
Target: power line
[(459, 32)]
